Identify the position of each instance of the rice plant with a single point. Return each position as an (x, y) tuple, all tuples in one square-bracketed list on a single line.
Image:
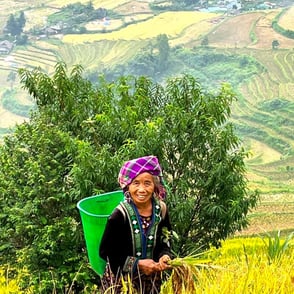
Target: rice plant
[(239, 266), (185, 273), (8, 285), (276, 246)]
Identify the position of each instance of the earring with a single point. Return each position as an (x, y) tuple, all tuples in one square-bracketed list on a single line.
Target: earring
[(128, 196)]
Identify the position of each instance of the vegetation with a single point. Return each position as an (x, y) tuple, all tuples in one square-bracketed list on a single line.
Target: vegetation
[(241, 261), (14, 29), (73, 17), (8, 285), (286, 32), (74, 144), (275, 44), (77, 13), (271, 76), (170, 23), (236, 268), (236, 50), (285, 20), (233, 268), (15, 24)]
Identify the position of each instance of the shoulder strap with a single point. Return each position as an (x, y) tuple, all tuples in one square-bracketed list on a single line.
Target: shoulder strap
[(122, 210), (163, 208)]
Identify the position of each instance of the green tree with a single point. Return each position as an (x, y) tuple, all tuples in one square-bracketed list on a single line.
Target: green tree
[(275, 44), (186, 2), (74, 145), (164, 49), (21, 20), (11, 26), (11, 78), (15, 24)]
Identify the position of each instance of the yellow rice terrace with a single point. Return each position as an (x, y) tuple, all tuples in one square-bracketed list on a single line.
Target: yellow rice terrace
[(252, 265), (242, 265)]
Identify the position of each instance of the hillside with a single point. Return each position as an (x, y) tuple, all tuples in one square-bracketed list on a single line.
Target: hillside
[(263, 113)]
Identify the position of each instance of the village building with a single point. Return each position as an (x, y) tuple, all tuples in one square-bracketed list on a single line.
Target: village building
[(6, 47)]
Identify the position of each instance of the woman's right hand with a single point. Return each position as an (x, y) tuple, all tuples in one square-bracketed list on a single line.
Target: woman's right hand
[(148, 266), (163, 263)]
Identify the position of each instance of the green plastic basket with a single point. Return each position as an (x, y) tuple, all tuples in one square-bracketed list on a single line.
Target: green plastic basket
[(94, 212)]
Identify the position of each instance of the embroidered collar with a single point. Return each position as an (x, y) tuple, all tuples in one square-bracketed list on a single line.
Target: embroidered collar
[(143, 243)]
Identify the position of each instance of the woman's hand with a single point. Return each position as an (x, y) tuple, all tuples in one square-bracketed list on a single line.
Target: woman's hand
[(163, 262), (148, 266)]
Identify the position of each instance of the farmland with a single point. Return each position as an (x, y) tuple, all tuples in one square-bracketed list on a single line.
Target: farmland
[(262, 264), (170, 23), (242, 48), (286, 20), (263, 113)]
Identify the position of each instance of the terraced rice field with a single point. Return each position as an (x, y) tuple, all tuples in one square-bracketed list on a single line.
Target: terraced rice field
[(108, 4), (170, 23), (286, 21), (192, 35), (29, 57), (249, 34), (234, 32), (275, 212), (103, 54), (37, 17), (133, 8), (276, 81), (265, 33), (270, 169), (115, 24)]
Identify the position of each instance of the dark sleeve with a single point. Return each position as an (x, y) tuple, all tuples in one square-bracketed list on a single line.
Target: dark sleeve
[(163, 240), (116, 246)]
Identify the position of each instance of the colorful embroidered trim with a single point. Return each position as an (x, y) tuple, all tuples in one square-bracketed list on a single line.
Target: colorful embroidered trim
[(143, 244), (130, 264)]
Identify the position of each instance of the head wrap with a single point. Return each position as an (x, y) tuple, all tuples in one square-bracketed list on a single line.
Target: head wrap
[(132, 168)]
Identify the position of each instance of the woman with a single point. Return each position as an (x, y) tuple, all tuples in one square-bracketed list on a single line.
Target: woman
[(136, 238)]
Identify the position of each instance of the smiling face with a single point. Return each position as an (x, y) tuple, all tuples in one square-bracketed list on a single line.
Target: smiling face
[(142, 188)]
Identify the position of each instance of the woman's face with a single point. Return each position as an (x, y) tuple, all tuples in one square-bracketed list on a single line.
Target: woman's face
[(142, 188)]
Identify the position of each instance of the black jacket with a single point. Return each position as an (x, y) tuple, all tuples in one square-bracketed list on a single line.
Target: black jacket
[(117, 244)]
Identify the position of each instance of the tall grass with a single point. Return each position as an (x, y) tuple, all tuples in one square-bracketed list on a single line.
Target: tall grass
[(8, 285), (276, 246), (243, 267), (240, 266)]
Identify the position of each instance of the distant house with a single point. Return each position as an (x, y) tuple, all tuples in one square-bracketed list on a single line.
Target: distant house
[(234, 5), (53, 30), (269, 5), (5, 47)]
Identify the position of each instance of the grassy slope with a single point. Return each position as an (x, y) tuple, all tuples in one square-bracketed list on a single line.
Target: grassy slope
[(249, 34)]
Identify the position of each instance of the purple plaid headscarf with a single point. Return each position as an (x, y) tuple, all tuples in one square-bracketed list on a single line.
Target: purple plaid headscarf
[(132, 168)]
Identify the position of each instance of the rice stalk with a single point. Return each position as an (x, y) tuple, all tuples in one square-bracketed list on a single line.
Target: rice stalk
[(127, 286), (185, 273)]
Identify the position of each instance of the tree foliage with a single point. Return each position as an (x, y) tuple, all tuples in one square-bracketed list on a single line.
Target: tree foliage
[(74, 145), (164, 49), (15, 24), (185, 3), (77, 13), (275, 44)]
